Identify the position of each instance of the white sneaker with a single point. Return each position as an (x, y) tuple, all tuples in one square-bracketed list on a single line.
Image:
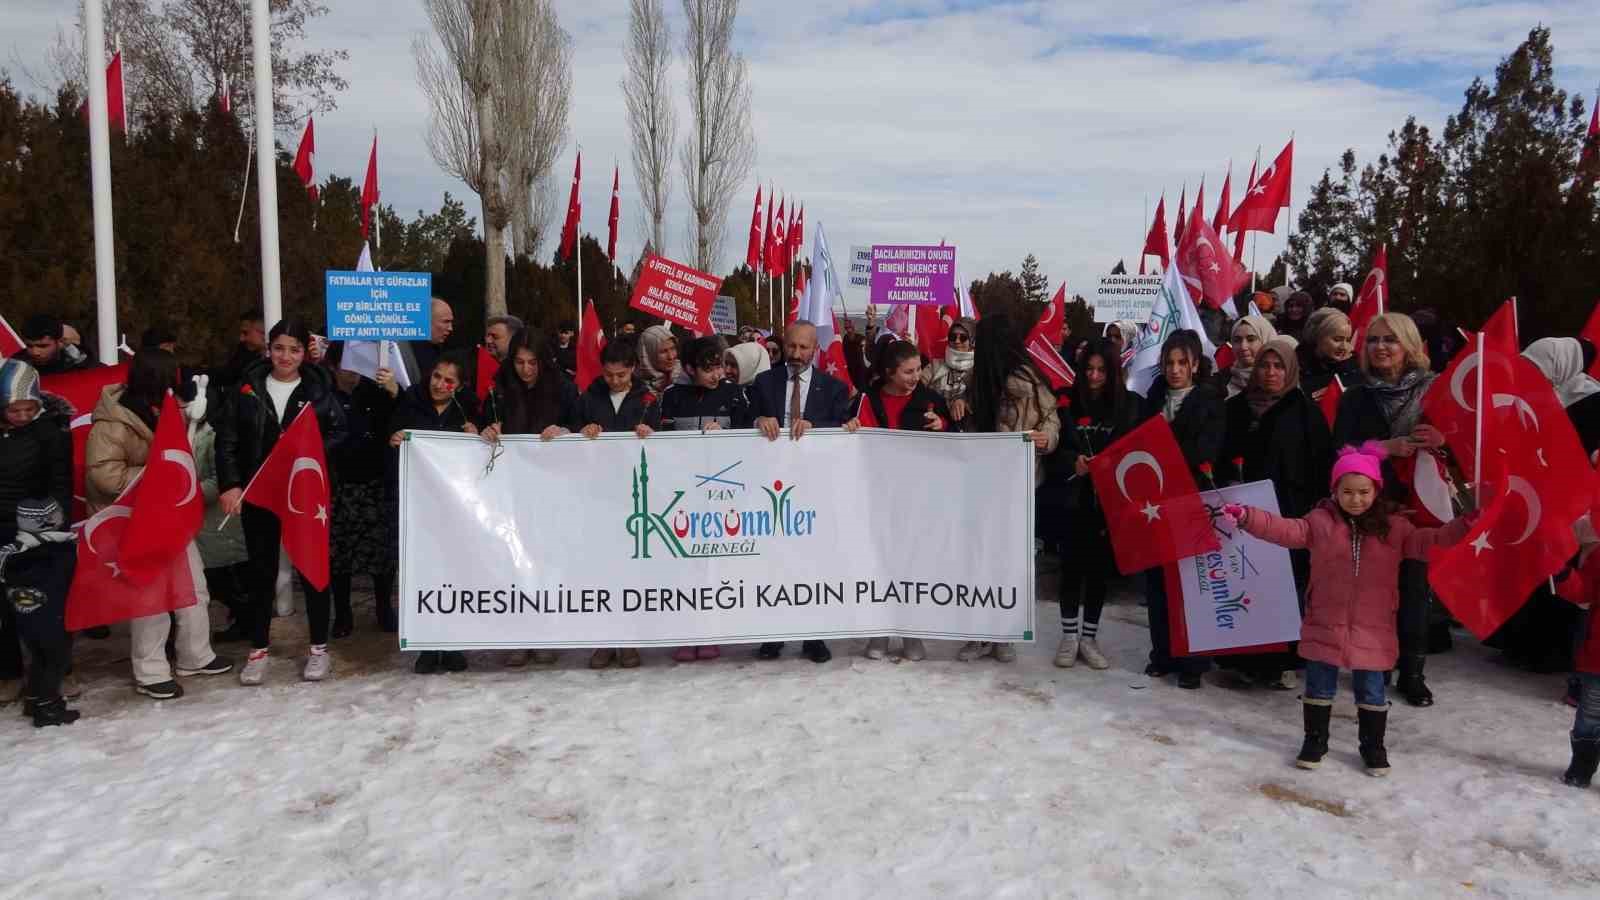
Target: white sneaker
[(877, 648), (1005, 653), (914, 649), (318, 665), (254, 670), (1089, 649), (972, 650), (1067, 653)]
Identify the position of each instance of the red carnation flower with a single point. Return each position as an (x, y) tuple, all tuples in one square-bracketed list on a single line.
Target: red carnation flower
[(649, 399), (1238, 462), (247, 390), (1085, 422), (1205, 469)]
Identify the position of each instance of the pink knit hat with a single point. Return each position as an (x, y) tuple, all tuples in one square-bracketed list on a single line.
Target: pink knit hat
[(1364, 460)]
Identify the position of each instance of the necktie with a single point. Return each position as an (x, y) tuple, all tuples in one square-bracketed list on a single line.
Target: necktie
[(797, 403)]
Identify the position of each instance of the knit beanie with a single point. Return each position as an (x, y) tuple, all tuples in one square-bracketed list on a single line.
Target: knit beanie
[(18, 381), (1364, 460), (36, 515)]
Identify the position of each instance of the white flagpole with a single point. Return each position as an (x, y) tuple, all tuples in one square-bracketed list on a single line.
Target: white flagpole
[(105, 275), (266, 174), (577, 257), (1477, 460)]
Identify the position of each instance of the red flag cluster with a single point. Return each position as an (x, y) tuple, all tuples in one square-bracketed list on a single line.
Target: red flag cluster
[(776, 247), (1264, 196)]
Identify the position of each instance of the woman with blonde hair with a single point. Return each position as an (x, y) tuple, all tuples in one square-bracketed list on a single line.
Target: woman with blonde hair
[(1387, 407)]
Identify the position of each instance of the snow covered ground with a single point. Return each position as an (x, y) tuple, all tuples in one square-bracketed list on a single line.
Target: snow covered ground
[(742, 778)]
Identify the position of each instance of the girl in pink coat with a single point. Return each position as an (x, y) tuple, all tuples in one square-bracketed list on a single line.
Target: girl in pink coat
[(1357, 540)]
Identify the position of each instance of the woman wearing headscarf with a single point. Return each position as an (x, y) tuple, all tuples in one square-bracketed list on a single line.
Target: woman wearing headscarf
[(1565, 362), (950, 376), (1007, 394), (658, 359), (1327, 352), (1387, 407), (745, 361), (1294, 313), (1340, 297), (1247, 337), (1276, 433), (1123, 333)]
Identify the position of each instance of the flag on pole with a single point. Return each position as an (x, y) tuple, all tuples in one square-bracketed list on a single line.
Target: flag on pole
[(1155, 242), (816, 306), (1591, 139), (170, 509), (225, 96), (1172, 310), (1590, 332), (369, 189), (1219, 222), (1373, 298), (1258, 211), (777, 245), (797, 236), (305, 159), (616, 213), (1210, 273), (116, 97), (1238, 234), (752, 253), (1153, 508), (1329, 404), (591, 340), (303, 514), (363, 357), (569, 229), (1177, 227)]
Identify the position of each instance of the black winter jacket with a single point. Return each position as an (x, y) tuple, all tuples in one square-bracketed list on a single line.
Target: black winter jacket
[(1199, 425), (36, 461), (690, 407), (250, 427), (914, 417), (1061, 467), (367, 410), (499, 408), (594, 408), (1290, 445)]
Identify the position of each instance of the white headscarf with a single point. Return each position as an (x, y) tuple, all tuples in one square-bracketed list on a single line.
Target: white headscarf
[(650, 342), (753, 360), (1239, 375), (1561, 361)]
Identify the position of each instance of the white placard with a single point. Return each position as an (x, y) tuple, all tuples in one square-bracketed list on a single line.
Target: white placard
[(715, 538), (859, 282), (1243, 595), (1128, 297), (724, 316)]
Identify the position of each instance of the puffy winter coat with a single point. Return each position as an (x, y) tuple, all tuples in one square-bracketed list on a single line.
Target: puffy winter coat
[(1199, 426), (641, 406), (35, 461), (1029, 405), (1583, 586), (1289, 445), (1352, 599), (249, 426), (119, 444)]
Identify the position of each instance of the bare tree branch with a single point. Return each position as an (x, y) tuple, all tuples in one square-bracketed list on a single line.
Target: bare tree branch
[(721, 147), (651, 117)]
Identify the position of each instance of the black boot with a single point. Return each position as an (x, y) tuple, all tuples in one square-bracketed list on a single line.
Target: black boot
[(53, 712), (1585, 759), (1374, 722), (343, 619), (1412, 685), (428, 662), (1317, 714)]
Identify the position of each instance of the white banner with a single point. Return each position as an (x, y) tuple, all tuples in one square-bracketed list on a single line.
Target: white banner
[(724, 316), (859, 283), (1128, 297), (714, 538), (1243, 595)]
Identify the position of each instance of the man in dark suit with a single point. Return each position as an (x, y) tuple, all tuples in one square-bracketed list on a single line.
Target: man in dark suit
[(800, 397)]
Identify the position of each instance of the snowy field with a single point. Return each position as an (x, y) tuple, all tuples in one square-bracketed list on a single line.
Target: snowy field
[(742, 778)]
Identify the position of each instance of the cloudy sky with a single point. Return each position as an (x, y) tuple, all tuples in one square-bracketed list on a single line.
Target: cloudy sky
[(1002, 126)]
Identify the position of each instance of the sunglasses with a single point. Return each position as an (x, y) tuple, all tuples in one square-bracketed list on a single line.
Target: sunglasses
[(960, 339), (1374, 339)]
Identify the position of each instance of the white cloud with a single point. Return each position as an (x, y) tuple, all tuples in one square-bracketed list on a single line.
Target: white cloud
[(1005, 128)]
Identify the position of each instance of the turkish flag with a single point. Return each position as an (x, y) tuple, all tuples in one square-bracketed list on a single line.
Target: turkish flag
[(1429, 497), (1589, 333), (752, 254), (1152, 506), (1155, 243), (305, 159), (1451, 403), (1591, 139), (793, 314), (1209, 272), (591, 340), (766, 242), (569, 228), (82, 388), (776, 246), (1219, 222), (933, 331), (116, 96), (1238, 234), (170, 509), (369, 189), (10, 342), (1053, 324), (1513, 547), (1373, 298), (1258, 211), (1501, 329), (101, 594), (1177, 225), (1329, 404), (488, 367), (1043, 344), (293, 485), (830, 359), (616, 213), (797, 235)]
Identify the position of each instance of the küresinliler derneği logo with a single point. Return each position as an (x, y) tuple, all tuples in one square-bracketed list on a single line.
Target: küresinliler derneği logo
[(715, 516)]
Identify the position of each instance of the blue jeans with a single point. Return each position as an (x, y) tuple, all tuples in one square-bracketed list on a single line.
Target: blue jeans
[(1586, 726), (1322, 683)]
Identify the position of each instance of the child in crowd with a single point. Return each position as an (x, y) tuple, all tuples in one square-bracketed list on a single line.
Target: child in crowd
[(617, 401), (1357, 540)]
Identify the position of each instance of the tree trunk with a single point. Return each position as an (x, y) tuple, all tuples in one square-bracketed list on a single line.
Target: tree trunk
[(521, 221), (494, 252)]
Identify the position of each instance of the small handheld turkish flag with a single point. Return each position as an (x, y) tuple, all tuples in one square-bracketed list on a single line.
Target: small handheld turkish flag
[(170, 510), (1153, 508), (1329, 404), (293, 485), (591, 340)]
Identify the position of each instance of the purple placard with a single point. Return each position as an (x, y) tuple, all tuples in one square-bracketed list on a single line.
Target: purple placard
[(913, 274)]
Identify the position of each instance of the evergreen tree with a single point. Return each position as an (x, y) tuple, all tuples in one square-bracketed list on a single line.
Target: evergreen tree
[(1035, 286)]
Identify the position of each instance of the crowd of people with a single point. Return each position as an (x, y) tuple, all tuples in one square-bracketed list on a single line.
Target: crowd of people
[(1358, 562)]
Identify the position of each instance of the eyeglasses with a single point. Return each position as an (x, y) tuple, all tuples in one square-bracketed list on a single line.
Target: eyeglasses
[(1375, 339), (960, 339)]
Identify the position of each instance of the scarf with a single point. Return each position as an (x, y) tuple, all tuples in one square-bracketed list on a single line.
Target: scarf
[(959, 360), (752, 359), (1401, 402), (650, 342), (1239, 374), (1175, 398), (1258, 397), (1561, 361)]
